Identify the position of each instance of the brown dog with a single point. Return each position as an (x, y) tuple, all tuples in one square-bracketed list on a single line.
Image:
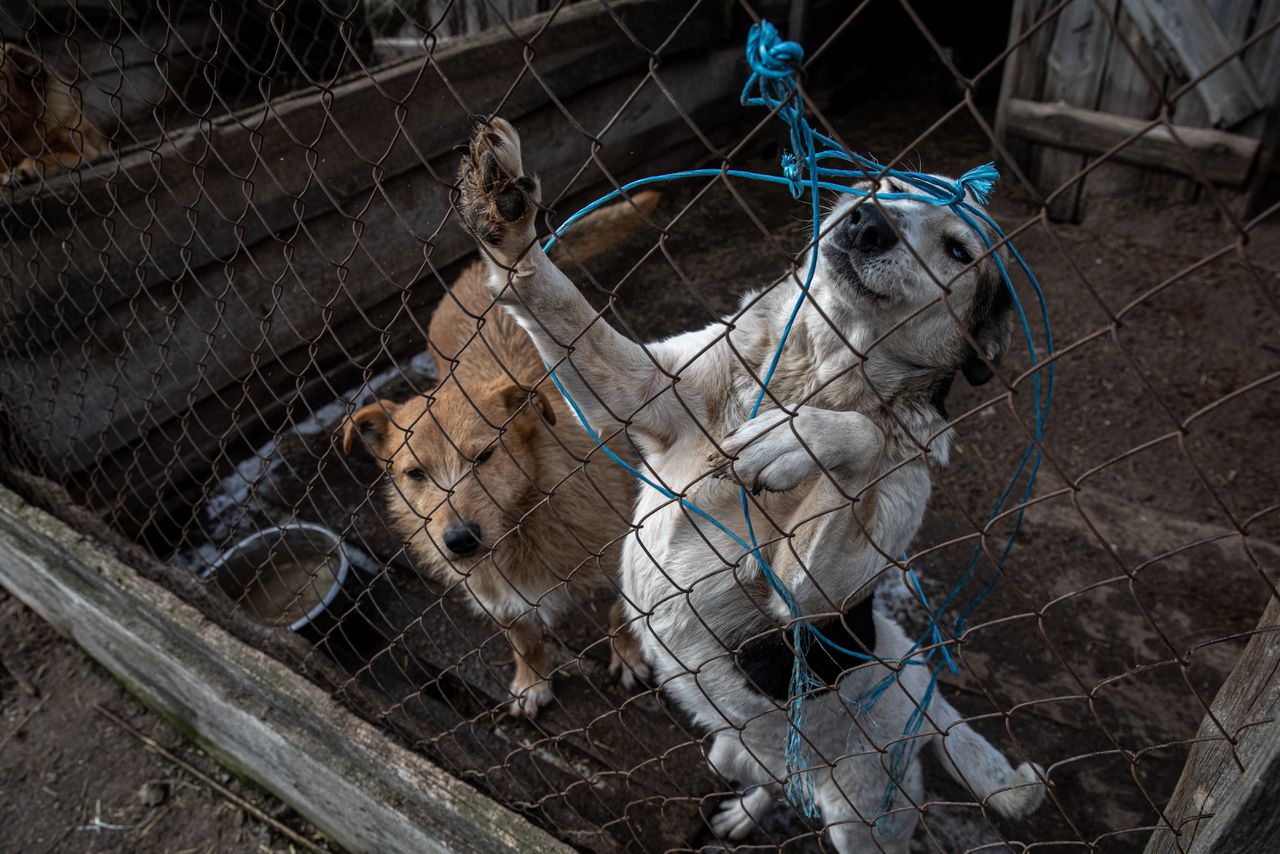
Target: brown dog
[(495, 486), (42, 129)]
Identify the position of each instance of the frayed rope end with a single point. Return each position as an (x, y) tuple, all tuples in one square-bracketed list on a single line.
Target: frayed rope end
[(981, 181)]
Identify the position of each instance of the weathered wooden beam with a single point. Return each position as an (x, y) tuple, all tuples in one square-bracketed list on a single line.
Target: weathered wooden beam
[(212, 189), (263, 721), (188, 273), (1217, 807), (1184, 34), (1221, 157)]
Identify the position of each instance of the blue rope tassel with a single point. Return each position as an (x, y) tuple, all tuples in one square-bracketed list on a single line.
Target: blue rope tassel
[(772, 85)]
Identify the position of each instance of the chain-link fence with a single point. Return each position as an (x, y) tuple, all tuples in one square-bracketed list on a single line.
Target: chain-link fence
[(685, 593)]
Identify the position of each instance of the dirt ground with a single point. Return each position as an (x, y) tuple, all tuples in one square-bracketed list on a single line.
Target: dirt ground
[(1117, 617), (73, 779)]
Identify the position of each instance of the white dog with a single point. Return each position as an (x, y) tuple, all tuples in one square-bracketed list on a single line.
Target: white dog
[(838, 460)]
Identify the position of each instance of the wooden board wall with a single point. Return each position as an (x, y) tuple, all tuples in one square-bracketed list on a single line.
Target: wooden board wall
[(161, 309), (1128, 59)]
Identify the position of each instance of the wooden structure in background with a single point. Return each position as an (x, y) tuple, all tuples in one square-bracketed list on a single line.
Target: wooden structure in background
[(1091, 82), (234, 251)]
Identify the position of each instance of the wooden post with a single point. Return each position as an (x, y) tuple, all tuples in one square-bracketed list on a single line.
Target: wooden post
[(1216, 807), (262, 720), (1077, 60)]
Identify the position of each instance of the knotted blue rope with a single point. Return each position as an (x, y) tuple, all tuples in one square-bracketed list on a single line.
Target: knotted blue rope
[(772, 85)]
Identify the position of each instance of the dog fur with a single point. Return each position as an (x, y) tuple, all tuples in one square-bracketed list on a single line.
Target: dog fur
[(839, 460), (43, 130), (490, 448)]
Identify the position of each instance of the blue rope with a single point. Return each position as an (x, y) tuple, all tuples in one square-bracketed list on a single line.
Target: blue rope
[(772, 85)]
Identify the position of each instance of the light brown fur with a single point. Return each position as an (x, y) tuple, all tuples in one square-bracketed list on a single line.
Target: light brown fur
[(550, 508), (44, 130)]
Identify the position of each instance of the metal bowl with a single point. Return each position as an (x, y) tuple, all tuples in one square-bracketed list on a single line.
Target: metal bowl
[(285, 575)]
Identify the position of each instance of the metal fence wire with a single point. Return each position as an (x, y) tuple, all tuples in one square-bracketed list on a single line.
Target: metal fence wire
[(275, 306)]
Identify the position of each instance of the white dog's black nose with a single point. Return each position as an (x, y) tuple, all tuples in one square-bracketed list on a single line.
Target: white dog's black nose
[(869, 231), (462, 538)]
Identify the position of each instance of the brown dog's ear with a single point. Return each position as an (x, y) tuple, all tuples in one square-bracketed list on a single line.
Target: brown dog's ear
[(373, 423), (26, 63), (543, 402), (514, 395)]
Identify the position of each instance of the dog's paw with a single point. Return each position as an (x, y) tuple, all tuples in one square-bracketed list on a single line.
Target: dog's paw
[(778, 451), (496, 199), (630, 673), (765, 454), (529, 699), (1024, 794), (735, 818)]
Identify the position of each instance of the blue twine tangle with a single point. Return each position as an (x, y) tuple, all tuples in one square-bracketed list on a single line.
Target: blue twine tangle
[(772, 86)]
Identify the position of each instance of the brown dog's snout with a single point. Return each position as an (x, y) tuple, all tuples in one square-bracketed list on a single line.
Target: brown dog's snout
[(462, 537), (868, 231)]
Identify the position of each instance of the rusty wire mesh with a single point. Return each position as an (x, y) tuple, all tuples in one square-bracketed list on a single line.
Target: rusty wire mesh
[(227, 228)]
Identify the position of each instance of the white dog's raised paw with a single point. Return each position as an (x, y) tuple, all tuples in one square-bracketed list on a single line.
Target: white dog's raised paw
[(735, 818), (496, 199), (779, 450), (1025, 792), (529, 700), (765, 454)]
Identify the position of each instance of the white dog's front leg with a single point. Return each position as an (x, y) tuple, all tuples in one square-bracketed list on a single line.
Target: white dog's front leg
[(614, 380), (777, 451), (832, 455)]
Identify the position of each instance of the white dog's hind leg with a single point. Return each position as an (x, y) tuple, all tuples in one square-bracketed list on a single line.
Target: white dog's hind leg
[(976, 764), (853, 812), (736, 817)]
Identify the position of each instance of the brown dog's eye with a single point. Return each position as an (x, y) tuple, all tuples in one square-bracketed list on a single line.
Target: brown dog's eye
[(484, 455), (415, 474)]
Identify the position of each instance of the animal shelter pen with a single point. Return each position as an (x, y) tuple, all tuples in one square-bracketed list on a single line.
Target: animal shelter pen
[(226, 229)]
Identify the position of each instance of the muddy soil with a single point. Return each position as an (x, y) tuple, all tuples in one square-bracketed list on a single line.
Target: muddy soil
[(73, 779)]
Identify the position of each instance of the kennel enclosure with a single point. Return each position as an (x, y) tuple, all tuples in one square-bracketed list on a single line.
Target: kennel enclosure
[(187, 321)]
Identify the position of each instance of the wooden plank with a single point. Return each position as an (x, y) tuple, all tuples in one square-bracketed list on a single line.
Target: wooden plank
[(1262, 58), (1215, 807), (150, 342), (268, 724), (1222, 157), (1247, 821), (1134, 87), (1077, 60), (1233, 19), (213, 189), (1188, 39), (1016, 80), (435, 691)]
